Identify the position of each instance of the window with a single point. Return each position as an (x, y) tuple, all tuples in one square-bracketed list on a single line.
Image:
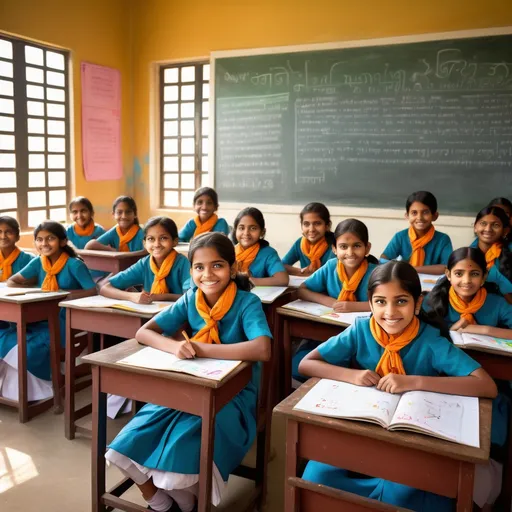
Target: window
[(34, 132), (184, 96)]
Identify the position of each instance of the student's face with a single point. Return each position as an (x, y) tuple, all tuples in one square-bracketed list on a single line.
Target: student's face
[(313, 227), (420, 217), (158, 242), (8, 237), (392, 307), (489, 229), (80, 214), (47, 244), (248, 232), (350, 250), (204, 207), (124, 215), (467, 278), (210, 273)]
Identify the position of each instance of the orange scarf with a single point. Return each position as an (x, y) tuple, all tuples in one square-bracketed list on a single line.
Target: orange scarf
[(159, 285), (50, 283), (492, 254), (87, 231), (245, 257), (204, 227), (417, 258), (210, 332), (6, 264), (349, 286), (390, 361), (463, 308), (124, 240), (314, 251)]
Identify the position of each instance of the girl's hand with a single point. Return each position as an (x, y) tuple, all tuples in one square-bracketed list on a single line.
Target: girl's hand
[(341, 307), (306, 271), (366, 378), (459, 324), (184, 350), (143, 298), (475, 329), (393, 383)]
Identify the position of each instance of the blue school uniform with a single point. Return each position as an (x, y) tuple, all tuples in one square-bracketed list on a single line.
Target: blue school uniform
[(429, 354), (187, 231), (112, 238), (74, 276), (267, 263), (80, 241), (295, 254), (140, 273), (170, 440), (437, 251), (23, 259)]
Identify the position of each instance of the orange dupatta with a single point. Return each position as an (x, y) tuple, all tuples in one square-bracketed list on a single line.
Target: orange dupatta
[(492, 254), (314, 251), (463, 308), (417, 258), (210, 332), (50, 283), (245, 257), (159, 285), (204, 227), (390, 361), (124, 240), (349, 286), (87, 231), (6, 264)]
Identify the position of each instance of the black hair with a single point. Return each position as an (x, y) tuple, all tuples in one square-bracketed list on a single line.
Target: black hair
[(130, 202), (57, 229), (12, 223), (226, 250), (321, 210), (207, 191), (168, 224), (257, 216), (84, 201), (359, 229), (505, 259), (501, 201), (424, 197)]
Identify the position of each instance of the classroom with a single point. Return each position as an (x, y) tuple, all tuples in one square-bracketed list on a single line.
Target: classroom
[(209, 94)]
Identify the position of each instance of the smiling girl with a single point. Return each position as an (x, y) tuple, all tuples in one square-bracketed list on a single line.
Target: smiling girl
[(12, 259), (83, 228)]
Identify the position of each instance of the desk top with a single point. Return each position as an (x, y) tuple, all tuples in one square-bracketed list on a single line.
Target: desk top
[(108, 358), (113, 255), (401, 438), (34, 297), (293, 313), (112, 311)]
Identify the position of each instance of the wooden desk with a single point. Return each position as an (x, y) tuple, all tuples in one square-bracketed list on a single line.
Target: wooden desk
[(104, 321), (23, 310), (420, 461), (107, 261), (193, 395)]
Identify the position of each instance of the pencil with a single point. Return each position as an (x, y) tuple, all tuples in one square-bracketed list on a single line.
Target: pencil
[(186, 338)]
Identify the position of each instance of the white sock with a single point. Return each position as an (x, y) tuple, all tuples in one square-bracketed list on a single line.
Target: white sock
[(161, 502), (185, 498)]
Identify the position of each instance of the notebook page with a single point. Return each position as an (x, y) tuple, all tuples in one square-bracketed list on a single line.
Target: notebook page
[(95, 301), (296, 281), (268, 294), (308, 307), (347, 318), (428, 281), (487, 342), (6, 291)]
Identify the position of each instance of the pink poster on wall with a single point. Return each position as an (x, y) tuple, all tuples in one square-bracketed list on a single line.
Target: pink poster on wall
[(101, 122)]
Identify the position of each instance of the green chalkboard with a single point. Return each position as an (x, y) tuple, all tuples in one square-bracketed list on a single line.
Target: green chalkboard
[(367, 126)]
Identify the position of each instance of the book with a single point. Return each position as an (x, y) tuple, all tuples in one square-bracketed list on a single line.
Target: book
[(482, 342), (8, 291), (206, 368), (296, 281), (268, 294), (99, 301), (315, 309), (428, 281), (449, 417)]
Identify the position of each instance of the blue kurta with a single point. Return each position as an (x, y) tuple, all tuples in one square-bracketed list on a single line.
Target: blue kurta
[(170, 440), (23, 259), (295, 254), (140, 273), (429, 354), (80, 241), (112, 238), (437, 251), (187, 231), (74, 276), (267, 263)]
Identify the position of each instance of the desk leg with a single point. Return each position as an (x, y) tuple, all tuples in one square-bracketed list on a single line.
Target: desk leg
[(21, 328), (55, 336), (465, 490), (287, 358), (99, 441), (69, 420), (290, 492), (206, 461)]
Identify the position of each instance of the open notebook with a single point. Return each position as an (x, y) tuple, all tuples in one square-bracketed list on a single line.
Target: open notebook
[(214, 369), (296, 281), (98, 301), (428, 281), (320, 310), (450, 417), (7, 291), (482, 342), (268, 294)]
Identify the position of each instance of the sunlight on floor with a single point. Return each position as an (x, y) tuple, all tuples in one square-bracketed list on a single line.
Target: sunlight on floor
[(15, 468)]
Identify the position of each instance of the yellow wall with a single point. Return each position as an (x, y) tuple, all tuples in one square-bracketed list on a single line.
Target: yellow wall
[(96, 31)]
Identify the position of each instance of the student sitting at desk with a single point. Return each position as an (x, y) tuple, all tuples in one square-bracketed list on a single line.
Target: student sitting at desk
[(397, 351), (164, 274), (206, 203), (313, 248), (254, 256), (12, 259), (58, 267), (127, 235), (159, 448), (421, 245), (83, 228)]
